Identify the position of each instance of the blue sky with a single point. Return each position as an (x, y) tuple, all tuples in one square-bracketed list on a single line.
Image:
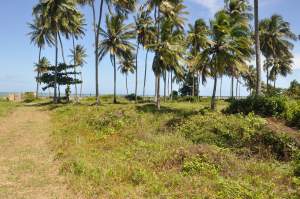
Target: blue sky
[(17, 55)]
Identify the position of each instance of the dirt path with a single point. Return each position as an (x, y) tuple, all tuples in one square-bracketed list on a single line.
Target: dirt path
[(27, 169)]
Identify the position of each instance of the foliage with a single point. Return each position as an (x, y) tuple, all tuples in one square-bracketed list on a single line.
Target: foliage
[(28, 97)]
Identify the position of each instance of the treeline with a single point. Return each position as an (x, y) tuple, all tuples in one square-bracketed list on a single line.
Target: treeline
[(224, 47)]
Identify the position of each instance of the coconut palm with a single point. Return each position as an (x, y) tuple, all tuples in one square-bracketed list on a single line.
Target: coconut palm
[(257, 48), (78, 55), (58, 17), (126, 66), (282, 66), (121, 7), (40, 36), (230, 46), (116, 42), (276, 44)]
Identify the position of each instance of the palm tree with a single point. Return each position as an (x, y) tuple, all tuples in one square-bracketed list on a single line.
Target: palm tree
[(116, 42), (126, 66), (41, 67), (276, 45), (58, 16), (249, 78), (122, 7), (282, 66), (78, 55), (257, 49), (231, 45), (40, 36)]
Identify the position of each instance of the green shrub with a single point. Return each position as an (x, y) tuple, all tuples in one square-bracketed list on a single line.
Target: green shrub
[(28, 97), (297, 165), (199, 166), (131, 97), (266, 106)]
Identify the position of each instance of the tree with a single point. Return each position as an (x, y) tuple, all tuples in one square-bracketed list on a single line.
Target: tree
[(40, 36), (257, 49), (276, 45), (121, 7), (116, 42), (126, 66), (230, 45), (78, 55), (58, 16), (249, 77)]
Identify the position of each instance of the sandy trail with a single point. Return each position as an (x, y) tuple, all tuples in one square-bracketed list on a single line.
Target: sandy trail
[(27, 167)]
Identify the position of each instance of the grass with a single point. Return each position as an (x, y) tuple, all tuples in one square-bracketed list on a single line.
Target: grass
[(183, 151), (6, 107)]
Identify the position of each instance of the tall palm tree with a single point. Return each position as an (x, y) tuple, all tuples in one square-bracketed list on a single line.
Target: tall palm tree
[(58, 16), (231, 45), (276, 45), (121, 7), (40, 36), (257, 48), (117, 42), (78, 55)]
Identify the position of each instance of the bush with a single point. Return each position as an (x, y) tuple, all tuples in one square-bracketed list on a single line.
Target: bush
[(28, 97), (266, 106), (297, 165), (131, 97)]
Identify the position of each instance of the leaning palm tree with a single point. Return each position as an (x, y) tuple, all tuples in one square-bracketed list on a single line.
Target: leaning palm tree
[(57, 17), (40, 36), (116, 42)]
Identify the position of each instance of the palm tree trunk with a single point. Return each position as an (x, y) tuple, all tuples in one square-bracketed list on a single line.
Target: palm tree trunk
[(158, 91), (236, 87), (168, 86), (97, 35), (62, 48), (126, 83), (257, 49), (145, 74), (171, 85), (74, 59), (221, 84), (193, 89), (165, 85), (232, 83), (213, 99), (267, 79), (136, 72), (115, 80), (38, 75), (81, 79), (55, 71), (199, 83)]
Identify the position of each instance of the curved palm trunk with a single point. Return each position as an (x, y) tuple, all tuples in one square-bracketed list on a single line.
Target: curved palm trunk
[(136, 72), (97, 35), (145, 74), (236, 87), (213, 99), (168, 86), (62, 48), (38, 75), (115, 80), (257, 49), (81, 79), (55, 71), (199, 83)]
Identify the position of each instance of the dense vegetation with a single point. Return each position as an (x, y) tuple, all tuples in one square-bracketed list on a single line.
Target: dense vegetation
[(184, 150)]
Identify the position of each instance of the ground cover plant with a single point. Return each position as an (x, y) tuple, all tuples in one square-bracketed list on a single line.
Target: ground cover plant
[(184, 150)]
